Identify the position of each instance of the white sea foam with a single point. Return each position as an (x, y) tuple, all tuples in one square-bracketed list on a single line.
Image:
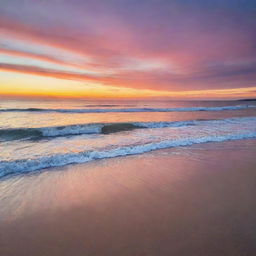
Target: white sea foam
[(29, 165)]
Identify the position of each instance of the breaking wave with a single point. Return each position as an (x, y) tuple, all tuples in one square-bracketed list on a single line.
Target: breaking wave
[(29, 165), (93, 128)]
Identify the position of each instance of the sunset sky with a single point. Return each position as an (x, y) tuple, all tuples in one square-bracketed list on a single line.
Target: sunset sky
[(128, 48)]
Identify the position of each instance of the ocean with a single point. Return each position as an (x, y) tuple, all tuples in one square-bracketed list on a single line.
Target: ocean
[(36, 135)]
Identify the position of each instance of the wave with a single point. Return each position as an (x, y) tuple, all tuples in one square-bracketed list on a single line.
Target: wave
[(78, 129), (97, 128), (123, 110), (29, 165)]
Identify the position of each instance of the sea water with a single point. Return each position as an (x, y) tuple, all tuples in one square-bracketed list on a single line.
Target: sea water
[(35, 135)]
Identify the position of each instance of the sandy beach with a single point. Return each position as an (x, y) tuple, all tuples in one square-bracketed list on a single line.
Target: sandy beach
[(186, 201)]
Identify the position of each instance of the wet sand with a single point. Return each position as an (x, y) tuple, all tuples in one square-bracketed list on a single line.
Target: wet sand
[(187, 201)]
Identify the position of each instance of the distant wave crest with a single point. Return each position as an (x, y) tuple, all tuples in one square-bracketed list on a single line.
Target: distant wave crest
[(123, 110)]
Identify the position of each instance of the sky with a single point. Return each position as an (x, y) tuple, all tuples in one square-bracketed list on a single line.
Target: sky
[(128, 48)]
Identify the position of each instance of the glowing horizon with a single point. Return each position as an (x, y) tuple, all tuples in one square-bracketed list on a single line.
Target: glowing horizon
[(128, 49)]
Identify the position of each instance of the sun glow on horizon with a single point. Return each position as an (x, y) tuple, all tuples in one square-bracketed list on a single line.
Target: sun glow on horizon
[(33, 86)]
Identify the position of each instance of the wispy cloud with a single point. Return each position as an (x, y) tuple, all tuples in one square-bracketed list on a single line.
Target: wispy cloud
[(159, 45)]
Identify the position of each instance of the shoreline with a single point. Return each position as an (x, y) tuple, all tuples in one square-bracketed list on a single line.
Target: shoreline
[(196, 200)]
